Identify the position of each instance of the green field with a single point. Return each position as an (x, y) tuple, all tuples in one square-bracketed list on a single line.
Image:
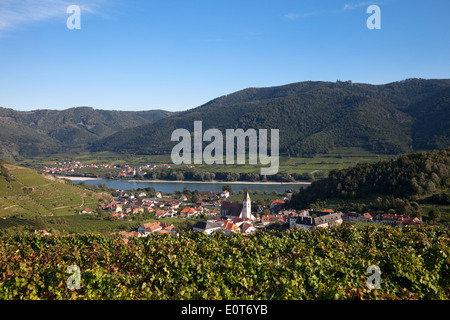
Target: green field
[(318, 165), (80, 224)]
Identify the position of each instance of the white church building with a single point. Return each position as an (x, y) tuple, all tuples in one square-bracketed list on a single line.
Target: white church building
[(235, 210)]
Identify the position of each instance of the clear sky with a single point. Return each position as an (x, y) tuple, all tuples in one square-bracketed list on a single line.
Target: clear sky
[(179, 54)]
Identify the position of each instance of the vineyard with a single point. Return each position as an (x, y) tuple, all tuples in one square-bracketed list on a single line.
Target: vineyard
[(320, 264)]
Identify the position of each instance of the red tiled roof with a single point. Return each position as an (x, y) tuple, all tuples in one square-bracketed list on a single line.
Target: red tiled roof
[(245, 226), (188, 210), (367, 215), (230, 226)]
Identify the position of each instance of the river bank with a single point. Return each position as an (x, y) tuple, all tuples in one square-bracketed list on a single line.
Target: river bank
[(174, 186), (187, 181)]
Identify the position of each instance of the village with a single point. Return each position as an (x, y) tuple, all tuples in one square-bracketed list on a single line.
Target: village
[(217, 214), (213, 208), (120, 171)]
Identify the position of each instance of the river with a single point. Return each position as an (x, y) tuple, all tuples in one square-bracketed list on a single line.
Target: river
[(172, 186)]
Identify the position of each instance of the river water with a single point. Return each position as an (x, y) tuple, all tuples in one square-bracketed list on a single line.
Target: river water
[(172, 186)]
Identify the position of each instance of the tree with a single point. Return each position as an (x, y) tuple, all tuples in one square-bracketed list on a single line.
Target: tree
[(139, 176), (150, 191), (227, 187), (195, 196), (109, 176), (434, 214), (318, 205)]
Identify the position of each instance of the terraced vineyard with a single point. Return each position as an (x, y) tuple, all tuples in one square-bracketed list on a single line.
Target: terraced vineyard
[(320, 264), (27, 194)]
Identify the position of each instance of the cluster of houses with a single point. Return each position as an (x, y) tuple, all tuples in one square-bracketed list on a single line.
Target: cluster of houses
[(239, 218), (122, 171), (72, 166), (230, 217), (126, 205), (235, 217)]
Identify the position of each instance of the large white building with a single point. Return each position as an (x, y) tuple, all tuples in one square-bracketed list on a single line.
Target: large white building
[(232, 210), (311, 220), (246, 212)]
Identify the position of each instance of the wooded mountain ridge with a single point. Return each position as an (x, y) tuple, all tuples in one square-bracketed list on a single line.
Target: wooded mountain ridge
[(31, 133), (312, 116)]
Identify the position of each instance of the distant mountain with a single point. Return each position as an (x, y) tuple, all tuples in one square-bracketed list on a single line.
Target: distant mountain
[(46, 131), (314, 117)]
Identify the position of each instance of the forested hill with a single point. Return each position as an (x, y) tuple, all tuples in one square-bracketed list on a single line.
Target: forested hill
[(46, 131), (410, 175), (315, 117)]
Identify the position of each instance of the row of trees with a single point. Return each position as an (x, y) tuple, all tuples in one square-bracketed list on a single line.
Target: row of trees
[(196, 175), (389, 204)]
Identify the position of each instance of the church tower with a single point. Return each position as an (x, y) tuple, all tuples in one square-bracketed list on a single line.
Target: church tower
[(246, 207)]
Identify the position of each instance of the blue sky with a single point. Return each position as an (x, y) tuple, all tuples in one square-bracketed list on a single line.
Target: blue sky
[(179, 54)]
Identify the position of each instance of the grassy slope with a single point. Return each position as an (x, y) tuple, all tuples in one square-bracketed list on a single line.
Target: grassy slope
[(47, 196), (31, 199)]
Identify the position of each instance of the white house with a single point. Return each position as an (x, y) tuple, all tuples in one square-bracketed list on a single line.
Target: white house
[(148, 228), (247, 228), (225, 194), (322, 220), (229, 227), (207, 226)]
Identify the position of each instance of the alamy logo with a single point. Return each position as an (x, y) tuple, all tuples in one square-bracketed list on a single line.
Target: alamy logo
[(374, 21), (74, 20), (214, 152), (374, 281), (74, 281)]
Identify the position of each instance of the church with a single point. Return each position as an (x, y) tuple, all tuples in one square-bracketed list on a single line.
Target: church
[(232, 210)]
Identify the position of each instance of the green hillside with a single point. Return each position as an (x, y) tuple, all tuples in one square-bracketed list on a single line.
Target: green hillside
[(407, 184), (28, 198), (314, 117), (47, 131)]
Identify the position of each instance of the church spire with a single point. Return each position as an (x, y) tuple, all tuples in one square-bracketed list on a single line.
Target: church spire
[(246, 207)]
